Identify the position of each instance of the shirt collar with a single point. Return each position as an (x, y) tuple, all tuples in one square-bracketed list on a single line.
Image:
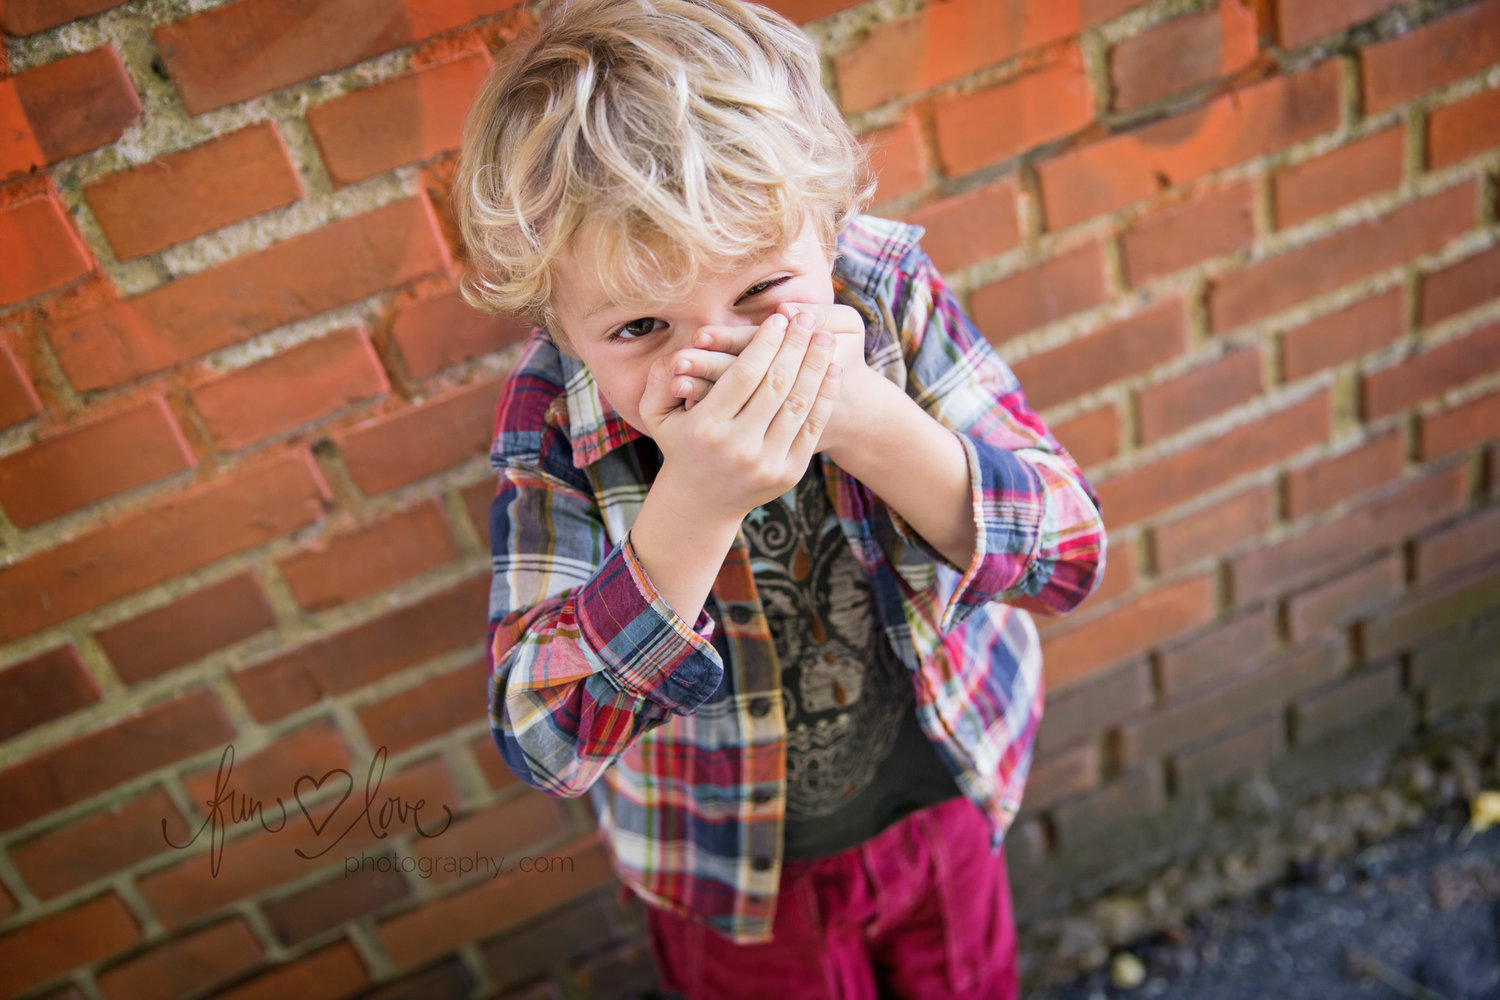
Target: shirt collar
[(594, 428)]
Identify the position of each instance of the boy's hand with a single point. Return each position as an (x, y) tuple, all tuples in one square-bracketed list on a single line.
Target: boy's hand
[(715, 349), (755, 428)]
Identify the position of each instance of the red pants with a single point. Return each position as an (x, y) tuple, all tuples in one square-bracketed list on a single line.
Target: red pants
[(921, 911)]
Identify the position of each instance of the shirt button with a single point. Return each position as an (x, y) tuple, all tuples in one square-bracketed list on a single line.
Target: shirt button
[(760, 798), (739, 614), (761, 864), (760, 706)]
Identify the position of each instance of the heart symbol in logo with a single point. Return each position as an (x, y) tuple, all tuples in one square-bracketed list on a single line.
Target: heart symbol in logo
[(317, 786)]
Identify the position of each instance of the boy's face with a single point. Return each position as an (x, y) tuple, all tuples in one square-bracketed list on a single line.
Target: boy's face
[(620, 343)]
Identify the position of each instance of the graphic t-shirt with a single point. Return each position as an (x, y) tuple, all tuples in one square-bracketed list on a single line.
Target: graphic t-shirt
[(857, 760)]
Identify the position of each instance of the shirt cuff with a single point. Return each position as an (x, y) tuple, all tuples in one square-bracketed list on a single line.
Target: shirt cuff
[(646, 649)]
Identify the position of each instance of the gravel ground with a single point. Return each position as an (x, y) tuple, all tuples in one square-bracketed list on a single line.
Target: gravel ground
[(1416, 916)]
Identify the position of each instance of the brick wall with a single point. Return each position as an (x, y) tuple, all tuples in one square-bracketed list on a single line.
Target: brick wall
[(1244, 257)]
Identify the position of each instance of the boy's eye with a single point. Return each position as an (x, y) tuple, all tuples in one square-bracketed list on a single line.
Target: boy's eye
[(637, 328), (763, 286)]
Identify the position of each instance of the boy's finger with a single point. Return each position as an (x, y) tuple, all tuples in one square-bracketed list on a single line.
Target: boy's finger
[(690, 388), (810, 434), (706, 365), (725, 339), (743, 376), (781, 375), (795, 409), (832, 317)]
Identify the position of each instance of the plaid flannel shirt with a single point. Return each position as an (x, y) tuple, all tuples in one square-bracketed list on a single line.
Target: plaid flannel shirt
[(594, 677)]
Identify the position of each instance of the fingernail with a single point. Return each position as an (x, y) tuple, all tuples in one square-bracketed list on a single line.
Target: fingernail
[(835, 371), (780, 321), (703, 340), (682, 366), (804, 321), (822, 340)]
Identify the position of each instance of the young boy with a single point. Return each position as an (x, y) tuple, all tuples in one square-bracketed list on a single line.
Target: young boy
[(770, 518)]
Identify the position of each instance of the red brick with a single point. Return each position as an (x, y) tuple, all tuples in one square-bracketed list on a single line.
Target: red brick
[(1459, 287), (978, 129), (1166, 59), (184, 966), (946, 41), (1452, 602), (509, 829), (803, 11), (898, 156), (339, 900), (47, 948), (477, 499), (1341, 258), (1253, 122), (1207, 715), (188, 629), (91, 461), (1146, 622), (98, 761), (496, 772), (444, 331), (41, 249), (970, 227), (1062, 775), (1431, 373), (1306, 21), (1215, 529), (1091, 706), (1470, 541), (241, 50), (1345, 597), (100, 844), (1163, 483), (1126, 347), (1131, 796), (342, 262), (249, 506), (1202, 392), (265, 854), (1457, 674), (66, 107), (1440, 52), (1209, 225), (45, 687), (1217, 655), (492, 906), (1341, 177), (1347, 703), (346, 567), (18, 400), (181, 195), (1018, 303), (402, 120), (1328, 548), (1463, 129), (438, 706), (27, 17), (332, 973), (364, 653), (1349, 333), (1205, 767), (1092, 437), (1463, 426), (296, 387), (275, 771), (423, 440), (1331, 481)]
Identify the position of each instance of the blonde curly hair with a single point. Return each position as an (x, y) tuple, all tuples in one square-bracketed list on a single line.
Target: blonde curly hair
[(668, 137)]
